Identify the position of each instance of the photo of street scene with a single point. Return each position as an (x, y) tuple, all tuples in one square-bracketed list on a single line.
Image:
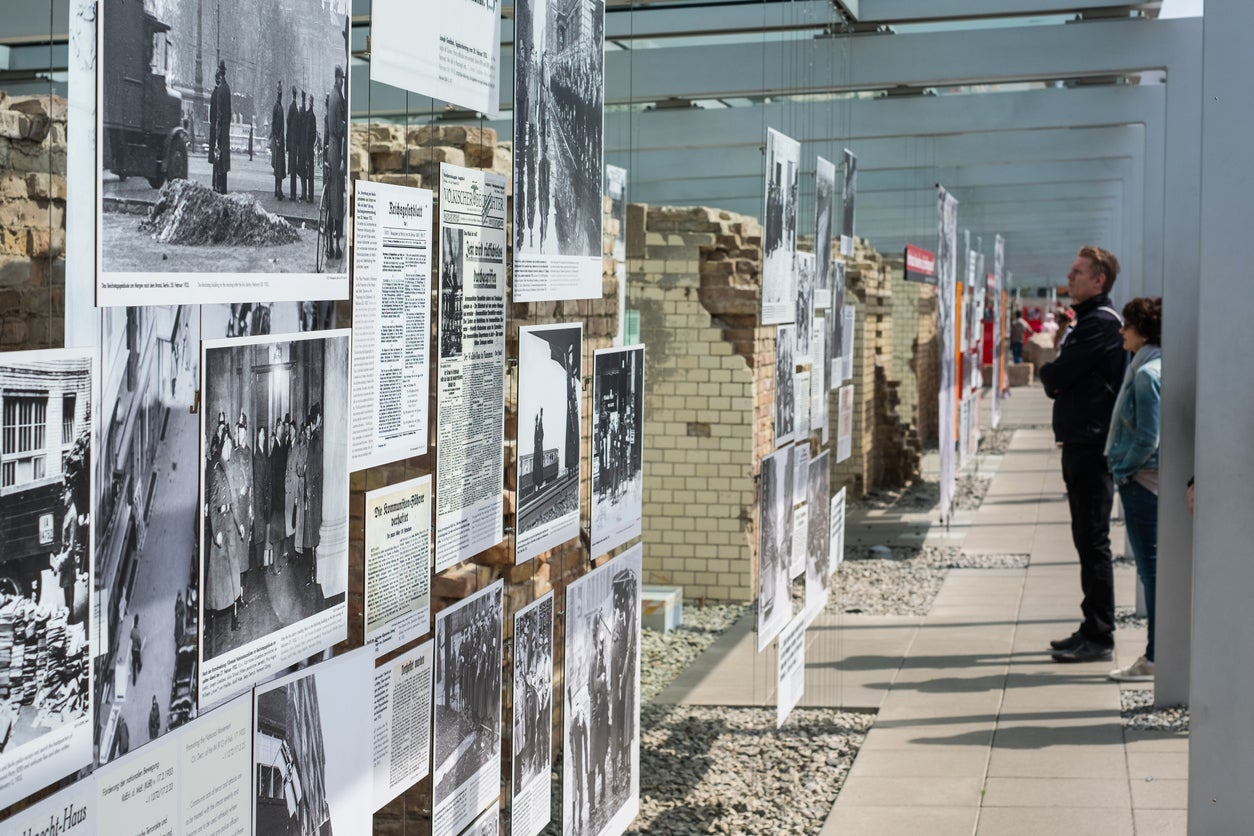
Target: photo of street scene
[(779, 229), (617, 447), (223, 132), (533, 715), (785, 384), (256, 319), (775, 530), (146, 552)]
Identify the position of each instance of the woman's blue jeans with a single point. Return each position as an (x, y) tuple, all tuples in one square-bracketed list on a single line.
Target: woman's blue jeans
[(1140, 510)]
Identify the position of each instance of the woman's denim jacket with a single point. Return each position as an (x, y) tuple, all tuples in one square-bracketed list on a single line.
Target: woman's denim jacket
[(1135, 443)]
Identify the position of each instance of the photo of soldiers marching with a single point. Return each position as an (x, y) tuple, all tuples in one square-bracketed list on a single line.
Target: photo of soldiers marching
[(467, 724), (559, 67), (45, 524), (533, 692), (601, 759), (231, 125), (146, 551)]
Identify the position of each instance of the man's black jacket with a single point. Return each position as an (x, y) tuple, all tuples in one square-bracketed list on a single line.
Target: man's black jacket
[(1085, 377)]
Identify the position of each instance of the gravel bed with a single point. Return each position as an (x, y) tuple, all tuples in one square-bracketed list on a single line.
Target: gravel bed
[(729, 770), (663, 657), (1138, 712), (924, 495), (903, 580), (1127, 619), (996, 442)]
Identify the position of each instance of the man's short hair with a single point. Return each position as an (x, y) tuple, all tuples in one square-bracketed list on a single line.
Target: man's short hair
[(1105, 262)]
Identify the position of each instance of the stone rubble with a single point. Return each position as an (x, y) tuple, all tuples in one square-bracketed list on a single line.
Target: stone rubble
[(1139, 714)]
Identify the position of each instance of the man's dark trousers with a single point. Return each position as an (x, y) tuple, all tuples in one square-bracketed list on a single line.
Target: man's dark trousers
[(1091, 493)]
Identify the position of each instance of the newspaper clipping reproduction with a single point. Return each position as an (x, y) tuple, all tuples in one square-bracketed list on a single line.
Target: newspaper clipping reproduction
[(466, 771), (844, 424), (470, 431), (550, 396), (791, 684), (559, 91), (779, 232), (222, 158), (445, 49), (846, 336), (601, 763), (391, 319), (818, 381), (146, 552), (617, 447), (775, 512), (837, 532), (800, 515), (402, 722), (616, 188), (532, 784), (291, 603), (398, 564), (45, 593), (311, 750)]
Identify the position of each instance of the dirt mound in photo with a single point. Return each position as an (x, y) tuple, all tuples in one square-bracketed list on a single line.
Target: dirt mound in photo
[(191, 213)]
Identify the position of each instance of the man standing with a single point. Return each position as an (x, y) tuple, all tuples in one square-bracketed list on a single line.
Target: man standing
[(277, 145), (311, 141), (337, 125), (293, 117), (220, 130), (137, 650), (1083, 382)]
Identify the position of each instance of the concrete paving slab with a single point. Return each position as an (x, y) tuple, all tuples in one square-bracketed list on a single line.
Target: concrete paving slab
[(936, 791), (893, 819), (1052, 821)]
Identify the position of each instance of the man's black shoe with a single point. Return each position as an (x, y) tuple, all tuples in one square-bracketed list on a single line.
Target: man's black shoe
[(1069, 642), (1085, 651)]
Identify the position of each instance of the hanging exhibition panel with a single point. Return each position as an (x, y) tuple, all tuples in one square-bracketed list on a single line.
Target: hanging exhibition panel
[(818, 545), (70, 812), (470, 428), (391, 322), (466, 765), (824, 207), (800, 515), (819, 383), (785, 385), (779, 229), (311, 750), (445, 49), (559, 93), (224, 190), (947, 276), (398, 564), (836, 520), (402, 722), (146, 549), (804, 275), (616, 190), (790, 683), (255, 623), (775, 528), (531, 786), (844, 423), (617, 447), (997, 303), (801, 401), (550, 402), (848, 321), (601, 761), (836, 341), (849, 195), (47, 399)]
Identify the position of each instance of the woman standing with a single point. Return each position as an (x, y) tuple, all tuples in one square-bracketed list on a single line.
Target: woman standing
[(1132, 456)]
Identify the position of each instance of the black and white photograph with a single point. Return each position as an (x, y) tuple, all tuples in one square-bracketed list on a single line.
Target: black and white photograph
[(311, 750), (819, 381), (601, 760), (222, 159), (785, 382), (805, 307), (46, 524), (274, 505), (146, 549), (452, 292), (488, 823), (532, 785), (550, 393), (836, 327), (775, 529), (801, 398), (616, 189), (848, 197), (466, 765), (844, 423), (947, 336), (617, 447), (259, 319), (779, 232), (818, 546), (800, 514), (824, 207), (559, 81), (848, 322)]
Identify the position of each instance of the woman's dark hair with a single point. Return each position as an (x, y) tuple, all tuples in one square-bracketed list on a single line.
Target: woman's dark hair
[(1145, 314)]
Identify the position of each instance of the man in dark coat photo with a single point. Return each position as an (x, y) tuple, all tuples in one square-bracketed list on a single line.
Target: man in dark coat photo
[(220, 130), (311, 142), (278, 148), (336, 127), (293, 147)]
